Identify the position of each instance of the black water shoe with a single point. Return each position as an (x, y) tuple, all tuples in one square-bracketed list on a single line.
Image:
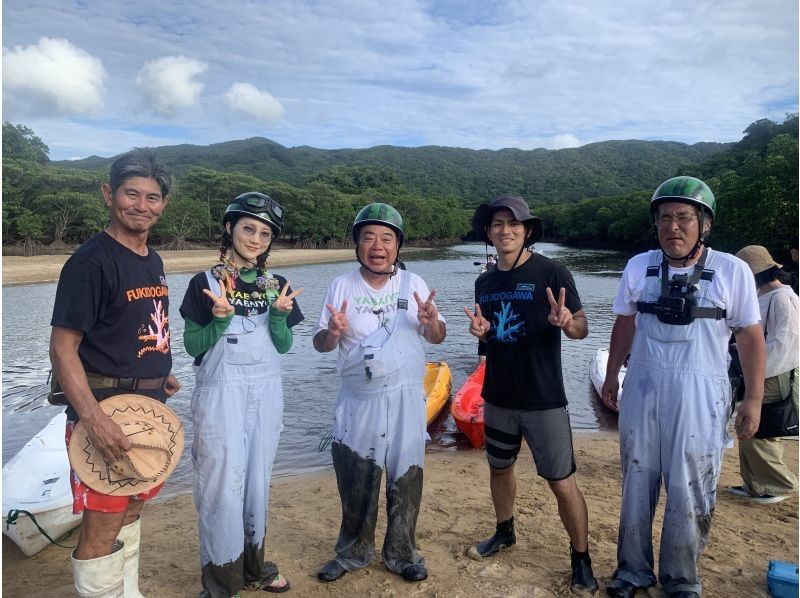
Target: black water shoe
[(504, 537), (684, 594), (583, 582), (331, 571), (416, 572), (620, 588)]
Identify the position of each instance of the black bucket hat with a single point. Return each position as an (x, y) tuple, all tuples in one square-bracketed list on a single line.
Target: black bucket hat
[(483, 215)]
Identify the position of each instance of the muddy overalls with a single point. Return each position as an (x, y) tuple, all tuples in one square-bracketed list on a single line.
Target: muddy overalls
[(379, 423), (237, 414), (672, 424)]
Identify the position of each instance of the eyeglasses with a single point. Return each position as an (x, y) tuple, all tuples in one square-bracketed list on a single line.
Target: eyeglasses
[(250, 231), (263, 201), (681, 219)]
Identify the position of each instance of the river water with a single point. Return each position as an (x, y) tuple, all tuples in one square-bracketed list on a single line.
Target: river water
[(309, 378)]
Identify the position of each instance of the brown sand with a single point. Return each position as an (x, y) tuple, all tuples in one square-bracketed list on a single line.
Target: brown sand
[(46, 268), (456, 513)]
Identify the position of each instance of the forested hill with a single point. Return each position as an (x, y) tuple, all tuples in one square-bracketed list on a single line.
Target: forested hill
[(594, 196), (541, 176)]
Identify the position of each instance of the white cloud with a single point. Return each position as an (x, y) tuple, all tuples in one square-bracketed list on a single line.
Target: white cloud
[(250, 101), (356, 73), (169, 82), (563, 140), (54, 74)]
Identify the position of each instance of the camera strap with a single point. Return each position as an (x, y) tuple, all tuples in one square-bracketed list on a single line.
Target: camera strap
[(699, 273)]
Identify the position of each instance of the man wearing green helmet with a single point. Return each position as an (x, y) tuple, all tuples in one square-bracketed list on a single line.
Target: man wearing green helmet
[(676, 307), (377, 316)]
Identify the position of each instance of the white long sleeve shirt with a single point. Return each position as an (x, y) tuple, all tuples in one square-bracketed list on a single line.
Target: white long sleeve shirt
[(783, 329)]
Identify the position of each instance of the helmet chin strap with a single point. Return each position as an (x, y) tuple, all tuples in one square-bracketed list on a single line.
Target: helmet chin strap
[(519, 255), (377, 272), (246, 263)]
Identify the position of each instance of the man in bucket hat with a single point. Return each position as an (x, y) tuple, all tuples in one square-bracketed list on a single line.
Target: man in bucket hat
[(111, 336), (520, 321)]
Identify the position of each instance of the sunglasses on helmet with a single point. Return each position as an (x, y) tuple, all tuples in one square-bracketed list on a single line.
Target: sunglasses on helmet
[(260, 202)]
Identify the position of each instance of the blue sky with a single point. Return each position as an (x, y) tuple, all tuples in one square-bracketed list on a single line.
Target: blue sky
[(93, 77)]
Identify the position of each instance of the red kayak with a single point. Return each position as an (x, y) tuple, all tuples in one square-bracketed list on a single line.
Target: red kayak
[(467, 407)]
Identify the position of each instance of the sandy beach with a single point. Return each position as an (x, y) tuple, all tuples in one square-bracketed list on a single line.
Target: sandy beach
[(456, 513), (46, 268)]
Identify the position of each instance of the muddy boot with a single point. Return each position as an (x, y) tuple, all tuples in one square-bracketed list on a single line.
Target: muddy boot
[(100, 577), (129, 535), (504, 537)]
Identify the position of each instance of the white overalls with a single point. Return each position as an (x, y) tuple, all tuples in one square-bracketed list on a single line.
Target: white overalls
[(673, 424), (237, 415), (379, 423)]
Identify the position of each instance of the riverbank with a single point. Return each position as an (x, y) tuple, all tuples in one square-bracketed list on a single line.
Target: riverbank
[(456, 513), (46, 268)]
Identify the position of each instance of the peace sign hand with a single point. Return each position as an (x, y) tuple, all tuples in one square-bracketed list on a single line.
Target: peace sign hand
[(427, 314), (222, 307), (559, 315), (283, 302), (338, 324), (478, 325)]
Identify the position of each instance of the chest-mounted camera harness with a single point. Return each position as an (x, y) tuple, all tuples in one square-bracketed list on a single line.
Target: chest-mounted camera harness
[(677, 304)]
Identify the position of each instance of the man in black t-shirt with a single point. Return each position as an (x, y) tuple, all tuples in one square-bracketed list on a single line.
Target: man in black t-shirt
[(520, 321), (111, 336)]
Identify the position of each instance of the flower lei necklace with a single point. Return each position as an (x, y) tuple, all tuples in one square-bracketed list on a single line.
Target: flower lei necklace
[(228, 271)]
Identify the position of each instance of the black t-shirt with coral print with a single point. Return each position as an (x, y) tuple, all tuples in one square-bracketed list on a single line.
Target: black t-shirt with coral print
[(523, 353), (120, 301)]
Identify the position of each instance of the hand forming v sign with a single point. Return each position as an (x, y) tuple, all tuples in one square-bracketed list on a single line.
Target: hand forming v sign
[(478, 325), (283, 302), (427, 314), (222, 306), (338, 324), (559, 315)]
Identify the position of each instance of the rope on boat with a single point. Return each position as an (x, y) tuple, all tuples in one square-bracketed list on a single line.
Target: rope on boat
[(13, 515)]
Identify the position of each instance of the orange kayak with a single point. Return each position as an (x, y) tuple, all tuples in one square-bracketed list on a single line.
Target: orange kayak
[(467, 407)]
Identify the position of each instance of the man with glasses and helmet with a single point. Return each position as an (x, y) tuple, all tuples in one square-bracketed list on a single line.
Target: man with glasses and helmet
[(238, 318), (676, 308)]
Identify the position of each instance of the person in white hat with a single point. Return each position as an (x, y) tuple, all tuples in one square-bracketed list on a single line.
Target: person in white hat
[(766, 478), (520, 322), (111, 336)]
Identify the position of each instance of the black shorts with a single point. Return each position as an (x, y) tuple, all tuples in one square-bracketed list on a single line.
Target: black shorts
[(547, 432)]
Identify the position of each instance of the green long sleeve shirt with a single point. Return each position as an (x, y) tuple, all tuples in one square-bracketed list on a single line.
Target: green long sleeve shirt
[(198, 339)]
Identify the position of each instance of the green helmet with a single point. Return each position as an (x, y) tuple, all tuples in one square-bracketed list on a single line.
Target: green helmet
[(685, 189), (379, 213)]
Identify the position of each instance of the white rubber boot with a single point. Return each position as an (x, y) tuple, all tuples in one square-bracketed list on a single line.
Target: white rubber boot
[(129, 536), (100, 577)]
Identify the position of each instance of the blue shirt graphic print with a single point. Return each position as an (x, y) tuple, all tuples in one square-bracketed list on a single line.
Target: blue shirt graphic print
[(506, 325), (523, 350)]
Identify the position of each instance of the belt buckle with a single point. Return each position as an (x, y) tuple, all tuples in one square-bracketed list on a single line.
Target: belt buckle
[(128, 383)]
